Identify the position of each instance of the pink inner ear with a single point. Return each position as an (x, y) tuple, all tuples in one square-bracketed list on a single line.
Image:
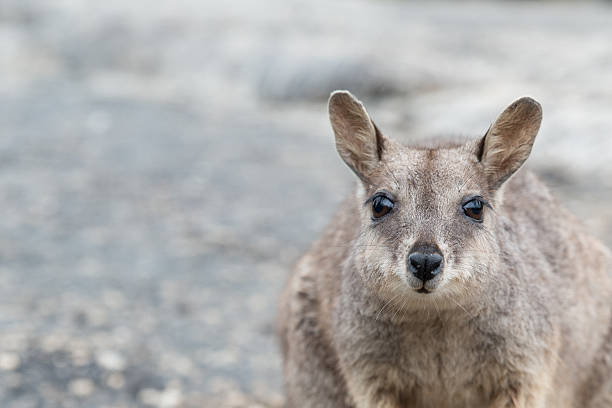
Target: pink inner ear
[(380, 141), (481, 144)]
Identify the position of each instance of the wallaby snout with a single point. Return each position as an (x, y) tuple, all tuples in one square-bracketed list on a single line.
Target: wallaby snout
[(425, 262)]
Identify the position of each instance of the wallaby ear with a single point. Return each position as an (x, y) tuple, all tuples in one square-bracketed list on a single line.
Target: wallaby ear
[(508, 141), (357, 140)]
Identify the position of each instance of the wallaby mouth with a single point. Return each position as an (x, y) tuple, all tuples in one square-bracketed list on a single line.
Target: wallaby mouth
[(423, 290)]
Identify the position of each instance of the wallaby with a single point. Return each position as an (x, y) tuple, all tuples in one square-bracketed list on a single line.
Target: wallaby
[(450, 278)]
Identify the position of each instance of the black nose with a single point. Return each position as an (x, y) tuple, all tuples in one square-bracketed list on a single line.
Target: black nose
[(424, 263)]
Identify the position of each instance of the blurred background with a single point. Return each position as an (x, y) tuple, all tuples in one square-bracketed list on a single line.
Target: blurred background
[(163, 164)]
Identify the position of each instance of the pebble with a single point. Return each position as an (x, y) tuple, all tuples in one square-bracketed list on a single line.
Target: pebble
[(53, 342), (81, 387), (9, 361), (110, 360), (169, 398), (80, 356), (115, 381)]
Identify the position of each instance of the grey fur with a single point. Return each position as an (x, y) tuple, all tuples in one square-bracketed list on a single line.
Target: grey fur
[(519, 317)]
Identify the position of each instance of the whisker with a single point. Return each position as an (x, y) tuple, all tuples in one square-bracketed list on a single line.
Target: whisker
[(386, 304), (472, 317)]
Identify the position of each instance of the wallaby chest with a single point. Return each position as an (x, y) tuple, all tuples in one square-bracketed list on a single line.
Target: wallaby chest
[(446, 356)]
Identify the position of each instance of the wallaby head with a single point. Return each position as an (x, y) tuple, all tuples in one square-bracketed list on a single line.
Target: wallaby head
[(427, 215)]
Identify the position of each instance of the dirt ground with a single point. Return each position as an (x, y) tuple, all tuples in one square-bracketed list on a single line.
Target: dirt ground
[(162, 165)]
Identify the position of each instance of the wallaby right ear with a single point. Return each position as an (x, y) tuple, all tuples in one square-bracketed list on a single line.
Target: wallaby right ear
[(357, 140)]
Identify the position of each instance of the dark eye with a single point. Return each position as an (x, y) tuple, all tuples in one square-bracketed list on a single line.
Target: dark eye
[(381, 206), (473, 209)]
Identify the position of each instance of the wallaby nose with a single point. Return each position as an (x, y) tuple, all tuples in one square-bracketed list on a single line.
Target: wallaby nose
[(425, 264)]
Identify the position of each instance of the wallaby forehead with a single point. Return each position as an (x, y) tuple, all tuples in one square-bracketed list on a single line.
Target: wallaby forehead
[(433, 169)]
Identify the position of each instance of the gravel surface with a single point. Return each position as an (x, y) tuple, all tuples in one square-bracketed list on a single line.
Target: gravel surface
[(164, 164)]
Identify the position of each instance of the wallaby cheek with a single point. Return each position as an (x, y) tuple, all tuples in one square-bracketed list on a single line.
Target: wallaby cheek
[(372, 260), (380, 262), (470, 262)]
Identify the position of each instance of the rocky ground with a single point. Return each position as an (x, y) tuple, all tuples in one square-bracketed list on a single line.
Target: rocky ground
[(163, 164)]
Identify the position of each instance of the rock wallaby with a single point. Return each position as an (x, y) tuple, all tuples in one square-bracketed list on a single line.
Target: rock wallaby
[(450, 278)]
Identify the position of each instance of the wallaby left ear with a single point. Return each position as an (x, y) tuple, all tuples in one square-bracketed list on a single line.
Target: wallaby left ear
[(508, 141)]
